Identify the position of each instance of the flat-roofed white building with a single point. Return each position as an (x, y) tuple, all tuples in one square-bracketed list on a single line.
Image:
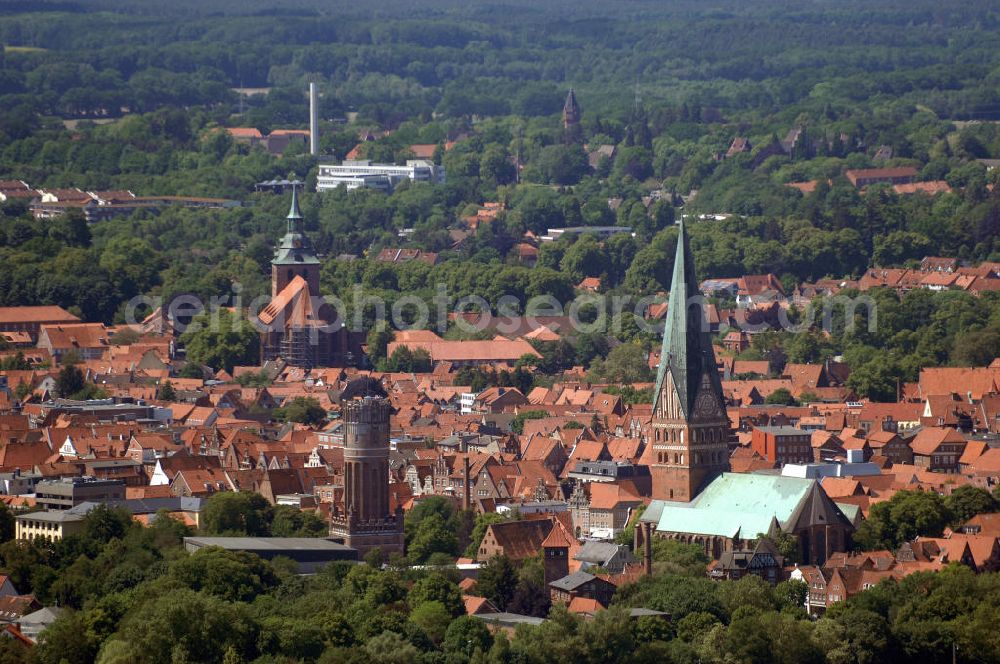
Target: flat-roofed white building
[(364, 174)]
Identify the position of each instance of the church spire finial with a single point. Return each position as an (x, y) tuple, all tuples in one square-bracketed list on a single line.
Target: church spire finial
[(294, 214)]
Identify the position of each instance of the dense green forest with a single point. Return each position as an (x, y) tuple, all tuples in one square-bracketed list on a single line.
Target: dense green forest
[(120, 94)]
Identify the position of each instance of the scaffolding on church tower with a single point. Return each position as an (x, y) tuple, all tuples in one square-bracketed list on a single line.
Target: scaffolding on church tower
[(297, 348)]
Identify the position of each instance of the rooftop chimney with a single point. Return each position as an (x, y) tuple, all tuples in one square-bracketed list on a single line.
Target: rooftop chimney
[(313, 120)]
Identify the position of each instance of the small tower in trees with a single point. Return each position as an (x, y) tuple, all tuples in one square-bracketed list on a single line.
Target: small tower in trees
[(690, 424), (572, 131), (556, 548)]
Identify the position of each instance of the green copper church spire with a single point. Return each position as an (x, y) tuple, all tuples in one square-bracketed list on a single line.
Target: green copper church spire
[(294, 214), (295, 248), (686, 354)]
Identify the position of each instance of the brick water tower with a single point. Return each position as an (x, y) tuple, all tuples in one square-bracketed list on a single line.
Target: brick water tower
[(364, 519)]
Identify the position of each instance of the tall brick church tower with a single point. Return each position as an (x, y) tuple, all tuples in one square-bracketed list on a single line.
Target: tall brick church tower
[(690, 427), (364, 520), (295, 256), (297, 325)]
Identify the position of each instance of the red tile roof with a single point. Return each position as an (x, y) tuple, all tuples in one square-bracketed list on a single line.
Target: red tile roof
[(929, 439), (976, 382), (521, 539), (470, 351), (41, 314), (880, 173), (931, 188), (78, 335), (606, 496), (244, 132)]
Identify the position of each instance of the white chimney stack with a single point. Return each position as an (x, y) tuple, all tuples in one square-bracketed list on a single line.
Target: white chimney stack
[(313, 120)]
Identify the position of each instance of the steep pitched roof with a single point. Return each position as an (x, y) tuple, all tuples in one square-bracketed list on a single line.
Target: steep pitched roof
[(476, 605), (838, 487), (744, 505), (974, 382), (41, 314), (521, 539), (293, 302), (558, 538), (929, 439), (584, 606), (606, 496), (463, 351), (76, 335), (982, 547), (988, 524)]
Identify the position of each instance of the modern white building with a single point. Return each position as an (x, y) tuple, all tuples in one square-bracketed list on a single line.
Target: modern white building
[(359, 174), (602, 232), (855, 466), (466, 402)]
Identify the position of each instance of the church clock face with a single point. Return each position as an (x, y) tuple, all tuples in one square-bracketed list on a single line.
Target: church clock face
[(705, 405)]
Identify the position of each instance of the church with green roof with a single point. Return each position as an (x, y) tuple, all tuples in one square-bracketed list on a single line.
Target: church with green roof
[(695, 498), (736, 508)]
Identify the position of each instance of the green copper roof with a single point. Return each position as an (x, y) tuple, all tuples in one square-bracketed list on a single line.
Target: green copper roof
[(295, 248), (652, 512), (735, 504), (687, 345), (849, 510)]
